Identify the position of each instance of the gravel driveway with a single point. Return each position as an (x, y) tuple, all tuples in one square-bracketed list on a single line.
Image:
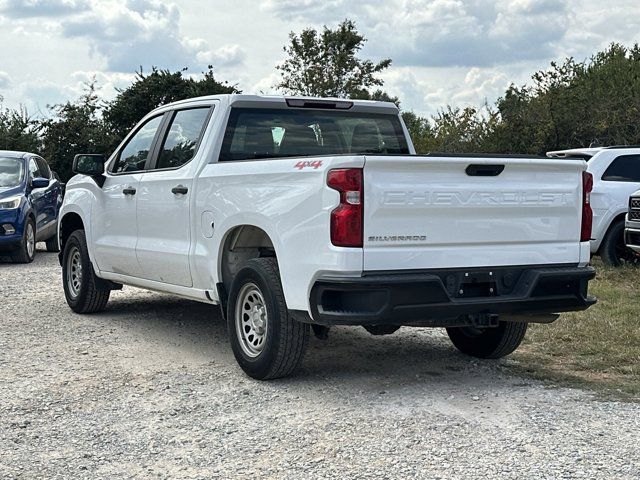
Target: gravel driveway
[(149, 389)]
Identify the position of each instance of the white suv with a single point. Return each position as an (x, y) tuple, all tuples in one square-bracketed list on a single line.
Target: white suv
[(616, 175)]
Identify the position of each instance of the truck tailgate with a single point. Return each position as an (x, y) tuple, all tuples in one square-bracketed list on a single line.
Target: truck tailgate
[(446, 212)]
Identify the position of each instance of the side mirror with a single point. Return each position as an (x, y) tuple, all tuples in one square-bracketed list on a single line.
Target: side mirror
[(89, 164), (39, 182)]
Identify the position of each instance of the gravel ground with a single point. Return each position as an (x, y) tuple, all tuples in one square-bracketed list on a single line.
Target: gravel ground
[(149, 389)]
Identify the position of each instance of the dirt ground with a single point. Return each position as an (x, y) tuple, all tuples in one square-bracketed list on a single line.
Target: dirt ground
[(150, 389)]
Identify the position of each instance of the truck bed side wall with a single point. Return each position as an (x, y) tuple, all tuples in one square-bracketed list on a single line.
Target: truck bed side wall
[(291, 204)]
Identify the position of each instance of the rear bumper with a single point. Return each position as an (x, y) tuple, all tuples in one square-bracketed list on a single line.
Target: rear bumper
[(451, 297)]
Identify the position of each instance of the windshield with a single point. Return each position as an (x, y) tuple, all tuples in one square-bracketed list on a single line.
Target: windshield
[(11, 172), (270, 133)]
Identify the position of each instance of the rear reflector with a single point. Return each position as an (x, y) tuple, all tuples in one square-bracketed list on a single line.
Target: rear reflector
[(587, 213), (346, 218)]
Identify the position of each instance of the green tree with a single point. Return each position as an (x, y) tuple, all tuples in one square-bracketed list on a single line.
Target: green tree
[(570, 104), (378, 95), (464, 130), (325, 64), (420, 130), (155, 89), (76, 127), (18, 131), (453, 130), (573, 104)]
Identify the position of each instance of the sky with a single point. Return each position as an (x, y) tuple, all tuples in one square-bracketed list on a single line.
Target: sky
[(443, 51)]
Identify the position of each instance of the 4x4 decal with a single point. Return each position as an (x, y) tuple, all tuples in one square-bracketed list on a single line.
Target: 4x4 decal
[(315, 164)]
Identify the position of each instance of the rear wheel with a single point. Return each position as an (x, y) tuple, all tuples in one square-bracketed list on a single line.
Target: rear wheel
[(614, 252), (495, 342), (79, 279), (266, 341), (27, 249)]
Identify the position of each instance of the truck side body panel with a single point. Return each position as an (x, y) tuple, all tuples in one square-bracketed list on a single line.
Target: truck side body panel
[(290, 204)]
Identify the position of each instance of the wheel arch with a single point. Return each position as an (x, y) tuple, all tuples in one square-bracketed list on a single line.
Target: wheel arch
[(615, 219), (31, 215), (241, 243), (69, 223)]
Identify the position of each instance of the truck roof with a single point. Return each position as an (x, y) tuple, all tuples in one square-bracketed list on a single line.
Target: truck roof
[(280, 101), (12, 154)]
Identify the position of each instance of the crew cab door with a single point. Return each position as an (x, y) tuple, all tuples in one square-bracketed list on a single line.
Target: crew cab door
[(165, 190), (114, 221)]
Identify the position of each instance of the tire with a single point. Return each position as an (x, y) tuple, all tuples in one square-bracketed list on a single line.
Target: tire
[(613, 251), (80, 289), (266, 341), (53, 245), (492, 343), (26, 252)]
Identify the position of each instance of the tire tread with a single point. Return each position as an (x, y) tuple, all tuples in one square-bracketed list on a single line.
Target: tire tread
[(493, 343), (293, 336), (92, 299), (513, 334), (52, 244)]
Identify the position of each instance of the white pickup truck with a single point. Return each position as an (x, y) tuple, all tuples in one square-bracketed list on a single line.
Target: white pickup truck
[(296, 214)]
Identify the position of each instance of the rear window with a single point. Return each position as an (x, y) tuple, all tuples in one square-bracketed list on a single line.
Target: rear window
[(625, 168), (272, 133)]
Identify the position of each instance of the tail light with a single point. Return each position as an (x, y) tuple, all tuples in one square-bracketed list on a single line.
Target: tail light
[(587, 213), (346, 218)]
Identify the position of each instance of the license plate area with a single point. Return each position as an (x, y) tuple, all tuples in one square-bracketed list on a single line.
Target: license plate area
[(472, 284)]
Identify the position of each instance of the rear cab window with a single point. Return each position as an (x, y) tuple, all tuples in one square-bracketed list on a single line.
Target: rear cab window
[(262, 133), (182, 137)]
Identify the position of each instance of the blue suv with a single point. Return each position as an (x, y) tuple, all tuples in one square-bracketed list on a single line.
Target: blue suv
[(30, 200)]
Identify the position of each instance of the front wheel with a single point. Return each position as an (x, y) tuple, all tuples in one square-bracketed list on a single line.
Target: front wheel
[(79, 279), (266, 341), (614, 252), (496, 342), (26, 252)]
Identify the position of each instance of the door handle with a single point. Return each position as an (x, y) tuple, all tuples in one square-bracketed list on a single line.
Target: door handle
[(129, 191), (179, 190)]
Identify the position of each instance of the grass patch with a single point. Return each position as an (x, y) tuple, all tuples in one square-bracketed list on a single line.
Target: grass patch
[(598, 348)]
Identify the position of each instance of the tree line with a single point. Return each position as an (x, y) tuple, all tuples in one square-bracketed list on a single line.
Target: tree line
[(569, 104), (91, 125)]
